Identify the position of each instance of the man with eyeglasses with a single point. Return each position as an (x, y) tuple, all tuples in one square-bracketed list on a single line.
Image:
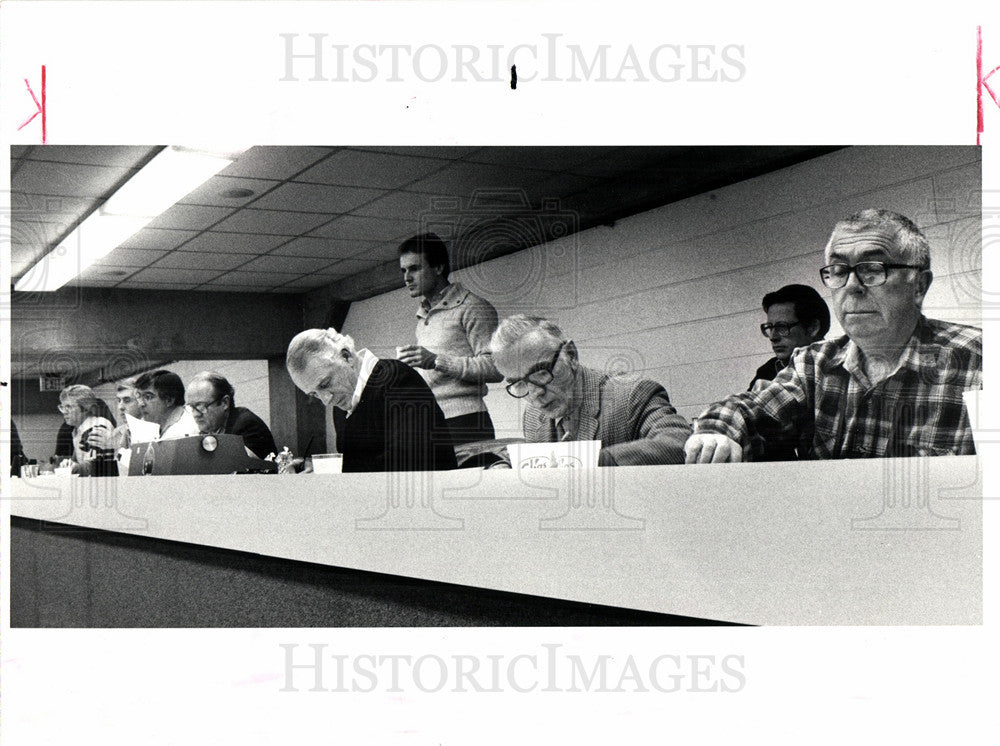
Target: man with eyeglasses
[(631, 416), (161, 400), (797, 316), (891, 386), (211, 400)]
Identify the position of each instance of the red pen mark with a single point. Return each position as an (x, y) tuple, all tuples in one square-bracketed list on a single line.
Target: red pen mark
[(39, 107), (981, 83)]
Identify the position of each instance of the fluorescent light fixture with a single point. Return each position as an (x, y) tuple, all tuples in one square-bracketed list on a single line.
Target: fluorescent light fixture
[(172, 174)]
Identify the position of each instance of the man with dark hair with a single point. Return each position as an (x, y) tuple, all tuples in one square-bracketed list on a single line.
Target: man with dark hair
[(893, 385), (161, 400), (454, 327), (210, 399), (797, 316)]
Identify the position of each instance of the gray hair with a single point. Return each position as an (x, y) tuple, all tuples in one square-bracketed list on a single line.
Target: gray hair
[(518, 326), (84, 397), (911, 243), (312, 342)]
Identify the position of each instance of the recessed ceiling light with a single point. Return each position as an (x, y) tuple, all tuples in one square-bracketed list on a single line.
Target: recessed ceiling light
[(237, 193)]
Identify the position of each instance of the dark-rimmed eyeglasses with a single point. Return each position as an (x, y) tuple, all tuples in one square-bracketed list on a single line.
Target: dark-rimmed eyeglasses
[(201, 407), (870, 274), (541, 376), (781, 329)]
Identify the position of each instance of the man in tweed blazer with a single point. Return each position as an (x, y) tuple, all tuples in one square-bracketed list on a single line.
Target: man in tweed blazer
[(632, 417), (891, 386)]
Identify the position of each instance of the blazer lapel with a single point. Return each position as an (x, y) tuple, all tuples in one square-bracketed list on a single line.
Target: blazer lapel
[(590, 407)]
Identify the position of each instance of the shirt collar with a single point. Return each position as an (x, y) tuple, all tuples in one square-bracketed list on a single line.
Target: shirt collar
[(916, 355), (571, 419), (452, 295), (368, 360)]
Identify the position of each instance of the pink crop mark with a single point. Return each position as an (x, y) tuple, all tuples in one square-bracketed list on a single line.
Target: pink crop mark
[(39, 107), (981, 83)]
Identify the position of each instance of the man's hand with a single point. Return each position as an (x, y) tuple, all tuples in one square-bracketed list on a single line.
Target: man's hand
[(102, 437), (711, 448), (416, 357)]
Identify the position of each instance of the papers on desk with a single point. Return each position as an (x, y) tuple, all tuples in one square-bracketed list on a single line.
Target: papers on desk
[(141, 431), (576, 454)]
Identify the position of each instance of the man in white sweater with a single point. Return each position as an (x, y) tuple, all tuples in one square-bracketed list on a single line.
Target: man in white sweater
[(454, 327)]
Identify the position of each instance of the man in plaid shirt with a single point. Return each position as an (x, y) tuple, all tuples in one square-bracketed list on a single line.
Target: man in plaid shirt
[(892, 386)]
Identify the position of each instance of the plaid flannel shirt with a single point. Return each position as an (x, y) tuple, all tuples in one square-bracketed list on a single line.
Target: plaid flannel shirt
[(825, 401)]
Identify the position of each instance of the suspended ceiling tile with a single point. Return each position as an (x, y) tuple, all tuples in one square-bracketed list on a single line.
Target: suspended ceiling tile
[(30, 241), (118, 156), (377, 170), (163, 239), (192, 276), (49, 208), (350, 227), (348, 267), (219, 191), (425, 151), (271, 162), (255, 279), (324, 198), (189, 217), (323, 247), (551, 158), (45, 177), (106, 273), (202, 260), (464, 179), (229, 289), (396, 205), (129, 258), (136, 285), (239, 243), (272, 222), (298, 264)]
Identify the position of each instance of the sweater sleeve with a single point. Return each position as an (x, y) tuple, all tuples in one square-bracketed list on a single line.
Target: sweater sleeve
[(479, 321)]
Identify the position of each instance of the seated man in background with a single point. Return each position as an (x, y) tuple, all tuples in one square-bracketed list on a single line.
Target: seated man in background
[(891, 386), (453, 338), (210, 399), (632, 417), (393, 421), (161, 400), (797, 316)]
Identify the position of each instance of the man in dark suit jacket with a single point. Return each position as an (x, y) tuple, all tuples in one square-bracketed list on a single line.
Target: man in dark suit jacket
[(211, 400), (393, 421), (631, 416)]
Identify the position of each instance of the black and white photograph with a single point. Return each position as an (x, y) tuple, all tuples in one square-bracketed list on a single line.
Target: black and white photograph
[(496, 372)]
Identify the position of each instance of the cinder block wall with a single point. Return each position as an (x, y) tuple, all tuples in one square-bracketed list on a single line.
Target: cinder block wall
[(674, 293)]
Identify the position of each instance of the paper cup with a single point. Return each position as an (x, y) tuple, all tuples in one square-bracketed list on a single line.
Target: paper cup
[(64, 471), (328, 463)]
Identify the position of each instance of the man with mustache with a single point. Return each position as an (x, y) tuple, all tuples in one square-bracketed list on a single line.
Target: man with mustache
[(891, 386)]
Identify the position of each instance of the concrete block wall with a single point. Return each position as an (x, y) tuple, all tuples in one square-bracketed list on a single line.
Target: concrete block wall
[(674, 293)]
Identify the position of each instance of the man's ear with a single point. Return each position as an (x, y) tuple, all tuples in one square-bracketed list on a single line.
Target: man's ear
[(813, 330), (924, 279), (571, 350)]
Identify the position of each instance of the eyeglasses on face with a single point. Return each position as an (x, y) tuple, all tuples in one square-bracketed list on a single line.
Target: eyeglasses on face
[(870, 274), (201, 407), (541, 376), (64, 407), (781, 329), (145, 395)]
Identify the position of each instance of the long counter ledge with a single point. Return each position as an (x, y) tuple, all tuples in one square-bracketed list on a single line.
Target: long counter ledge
[(893, 541)]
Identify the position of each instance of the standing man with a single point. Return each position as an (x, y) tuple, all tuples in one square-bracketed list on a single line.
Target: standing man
[(891, 386), (454, 327), (797, 316), (210, 399), (161, 400)]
